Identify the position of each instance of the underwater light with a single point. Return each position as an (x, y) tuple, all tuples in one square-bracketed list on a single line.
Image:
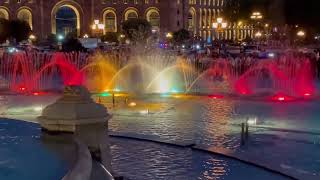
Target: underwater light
[(216, 96), (174, 91), (105, 94), (307, 94), (281, 97)]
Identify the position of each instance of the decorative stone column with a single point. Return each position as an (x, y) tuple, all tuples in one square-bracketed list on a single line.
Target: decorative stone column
[(77, 114)]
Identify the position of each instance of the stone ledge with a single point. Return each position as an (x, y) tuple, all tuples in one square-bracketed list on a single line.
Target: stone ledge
[(49, 121), (83, 166)]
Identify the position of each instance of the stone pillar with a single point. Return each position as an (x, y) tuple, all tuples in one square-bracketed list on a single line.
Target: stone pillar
[(77, 114)]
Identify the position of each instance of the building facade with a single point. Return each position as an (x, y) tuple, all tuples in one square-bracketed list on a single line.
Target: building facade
[(62, 16)]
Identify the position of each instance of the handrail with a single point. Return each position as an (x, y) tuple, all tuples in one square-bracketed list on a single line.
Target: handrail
[(107, 175)]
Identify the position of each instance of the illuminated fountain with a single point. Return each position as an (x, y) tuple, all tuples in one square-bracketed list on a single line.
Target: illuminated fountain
[(290, 76), (156, 73)]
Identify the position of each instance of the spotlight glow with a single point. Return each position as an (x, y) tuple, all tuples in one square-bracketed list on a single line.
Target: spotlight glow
[(132, 104), (252, 121), (307, 94), (164, 86), (144, 111), (38, 108)]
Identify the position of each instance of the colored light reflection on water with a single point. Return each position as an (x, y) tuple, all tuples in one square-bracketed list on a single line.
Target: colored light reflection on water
[(281, 98), (216, 96), (132, 104)]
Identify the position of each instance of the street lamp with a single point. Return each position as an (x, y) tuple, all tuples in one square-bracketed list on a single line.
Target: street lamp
[(256, 16), (258, 34), (219, 25), (32, 37), (60, 38), (301, 33), (169, 35), (86, 36), (97, 27)]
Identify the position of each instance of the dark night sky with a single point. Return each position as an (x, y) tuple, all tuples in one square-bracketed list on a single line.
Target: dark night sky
[(303, 12)]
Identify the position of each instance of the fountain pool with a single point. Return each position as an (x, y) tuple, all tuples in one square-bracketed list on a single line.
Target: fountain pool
[(282, 135), (23, 154)]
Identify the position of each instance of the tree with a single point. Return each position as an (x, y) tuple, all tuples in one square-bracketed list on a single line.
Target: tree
[(110, 37), (4, 30), (71, 43), (137, 30), (20, 30), (181, 36)]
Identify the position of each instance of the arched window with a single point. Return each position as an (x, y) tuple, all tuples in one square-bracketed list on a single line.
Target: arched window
[(25, 15), (132, 15), (192, 20), (66, 13), (4, 13), (110, 21), (66, 20), (153, 17)]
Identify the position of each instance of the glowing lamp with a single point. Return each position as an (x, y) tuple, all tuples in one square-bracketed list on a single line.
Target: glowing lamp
[(224, 25), (36, 94), (301, 33), (258, 34), (169, 35), (215, 25), (271, 55), (32, 37), (100, 26), (60, 37), (132, 104)]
